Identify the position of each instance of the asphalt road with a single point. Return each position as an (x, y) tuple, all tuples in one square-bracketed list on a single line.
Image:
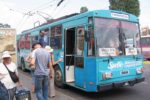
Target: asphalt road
[(140, 91)]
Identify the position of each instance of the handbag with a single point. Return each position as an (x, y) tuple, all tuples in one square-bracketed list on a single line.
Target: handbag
[(13, 75)]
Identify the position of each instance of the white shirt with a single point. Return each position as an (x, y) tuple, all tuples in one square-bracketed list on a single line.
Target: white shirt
[(5, 77)]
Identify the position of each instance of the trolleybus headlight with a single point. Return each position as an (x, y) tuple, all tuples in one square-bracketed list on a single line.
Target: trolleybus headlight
[(107, 75), (139, 70)]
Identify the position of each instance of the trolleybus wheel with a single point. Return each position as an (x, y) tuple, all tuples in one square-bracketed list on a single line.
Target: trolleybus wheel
[(58, 77)]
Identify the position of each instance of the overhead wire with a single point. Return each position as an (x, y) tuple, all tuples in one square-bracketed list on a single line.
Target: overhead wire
[(59, 3), (45, 7), (32, 12), (55, 8), (11, 9), (50, 10), (59, 11), (46, 4), (20, 24)]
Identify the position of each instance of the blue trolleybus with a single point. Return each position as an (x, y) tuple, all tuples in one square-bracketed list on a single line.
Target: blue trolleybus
[(99, 49)]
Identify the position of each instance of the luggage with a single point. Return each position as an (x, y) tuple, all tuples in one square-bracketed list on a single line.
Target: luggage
[(23, 94)]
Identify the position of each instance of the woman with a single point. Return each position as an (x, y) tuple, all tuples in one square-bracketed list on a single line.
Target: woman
[(6, 80), (51, 83), (28, 59)]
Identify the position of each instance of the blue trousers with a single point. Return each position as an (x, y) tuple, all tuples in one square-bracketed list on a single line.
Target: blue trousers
[(41, 87)]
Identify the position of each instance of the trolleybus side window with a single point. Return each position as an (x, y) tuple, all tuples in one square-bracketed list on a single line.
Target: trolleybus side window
[(22, 42), (91, 42), (35, 39), (80, 47), (27, 41), (56, 37)]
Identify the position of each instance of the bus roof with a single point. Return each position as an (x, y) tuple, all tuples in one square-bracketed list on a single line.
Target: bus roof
[(97, 13)]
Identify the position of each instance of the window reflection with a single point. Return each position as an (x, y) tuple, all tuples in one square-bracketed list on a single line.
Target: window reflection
[(80, 41)]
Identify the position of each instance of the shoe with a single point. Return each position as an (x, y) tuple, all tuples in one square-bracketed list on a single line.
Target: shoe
[(52, 97)]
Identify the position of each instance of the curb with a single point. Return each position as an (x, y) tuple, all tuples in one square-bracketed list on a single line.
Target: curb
[(146, 62)]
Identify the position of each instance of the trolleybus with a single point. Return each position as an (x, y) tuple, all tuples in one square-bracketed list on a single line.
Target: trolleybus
[(98, 48)]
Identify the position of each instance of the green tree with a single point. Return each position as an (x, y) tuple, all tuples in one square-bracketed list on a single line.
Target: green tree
[(83, 9), (130, 6), (4, 25)]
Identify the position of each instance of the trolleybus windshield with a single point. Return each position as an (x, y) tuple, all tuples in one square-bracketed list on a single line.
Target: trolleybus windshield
[(115, 37)]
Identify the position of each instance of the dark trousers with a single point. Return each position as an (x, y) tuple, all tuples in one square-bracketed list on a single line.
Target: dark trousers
[(11, 93)]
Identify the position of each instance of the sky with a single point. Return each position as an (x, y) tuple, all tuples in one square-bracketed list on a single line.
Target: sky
[(25, 14)]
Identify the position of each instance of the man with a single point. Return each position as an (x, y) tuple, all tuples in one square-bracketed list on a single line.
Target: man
[(43, 38), (41, 60)]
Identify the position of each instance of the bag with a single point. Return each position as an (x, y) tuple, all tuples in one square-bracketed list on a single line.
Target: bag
[(23, 94), (13, 75)]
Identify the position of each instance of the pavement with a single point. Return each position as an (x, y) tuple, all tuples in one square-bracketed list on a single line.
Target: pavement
[(26, 81)]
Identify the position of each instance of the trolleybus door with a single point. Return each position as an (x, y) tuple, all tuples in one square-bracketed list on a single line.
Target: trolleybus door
[(79, 57), (69, 54)]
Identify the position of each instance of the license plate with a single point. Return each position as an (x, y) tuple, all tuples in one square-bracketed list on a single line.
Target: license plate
[(124, 72), (126, 84)]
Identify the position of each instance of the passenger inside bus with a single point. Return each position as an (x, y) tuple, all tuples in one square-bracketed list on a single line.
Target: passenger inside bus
[(43, 38), (115, 44)]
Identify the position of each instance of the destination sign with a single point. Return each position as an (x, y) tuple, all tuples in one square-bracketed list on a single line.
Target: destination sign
[(122, 16)]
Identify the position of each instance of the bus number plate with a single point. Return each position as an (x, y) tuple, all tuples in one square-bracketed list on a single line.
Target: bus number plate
[(124, 72)]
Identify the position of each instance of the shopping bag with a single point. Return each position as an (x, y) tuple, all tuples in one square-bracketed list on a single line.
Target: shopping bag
[(23, 94)]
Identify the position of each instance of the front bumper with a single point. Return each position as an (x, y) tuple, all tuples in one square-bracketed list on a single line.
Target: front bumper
[(120, 84)]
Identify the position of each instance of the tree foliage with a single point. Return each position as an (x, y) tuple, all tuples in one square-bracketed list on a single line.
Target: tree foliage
[(130, 6), (4, 25)]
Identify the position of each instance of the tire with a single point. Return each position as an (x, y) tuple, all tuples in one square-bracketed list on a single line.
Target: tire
[(148, 59), (22, 64), (58, 77)]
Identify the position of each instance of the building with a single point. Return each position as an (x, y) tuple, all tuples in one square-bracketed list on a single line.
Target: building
[(8, 41), (145, 31)]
